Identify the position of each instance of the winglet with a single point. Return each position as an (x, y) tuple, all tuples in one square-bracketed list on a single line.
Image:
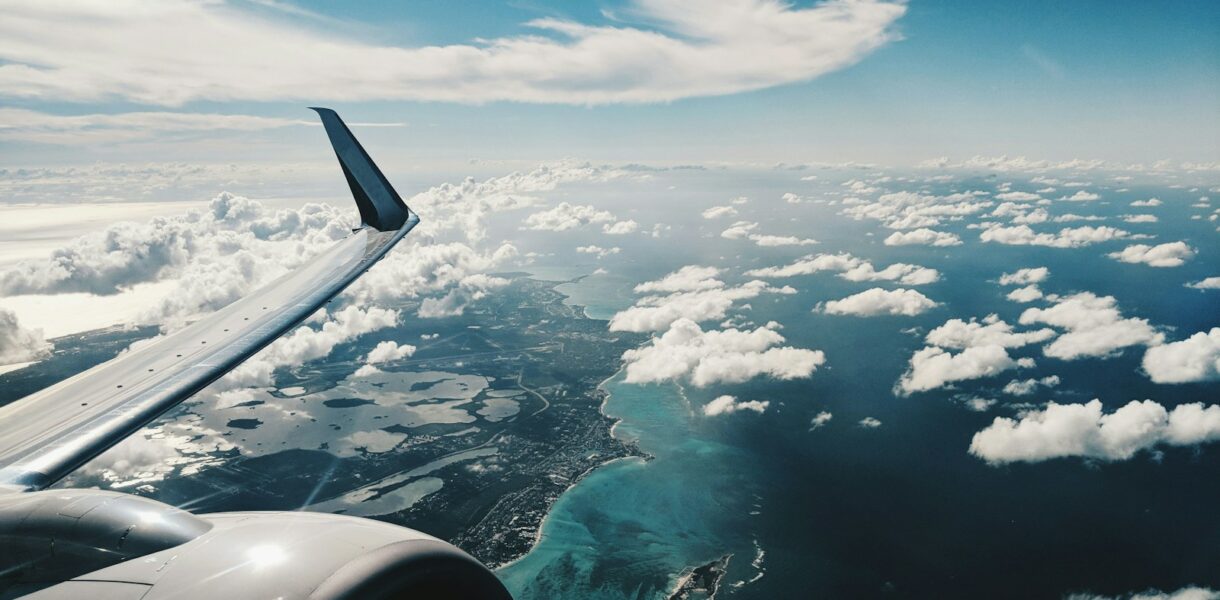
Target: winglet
[(380, 206)]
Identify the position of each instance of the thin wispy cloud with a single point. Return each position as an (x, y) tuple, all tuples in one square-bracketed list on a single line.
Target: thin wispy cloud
[(222, 51)]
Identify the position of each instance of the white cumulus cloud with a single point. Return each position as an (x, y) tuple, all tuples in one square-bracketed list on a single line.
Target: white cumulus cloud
[(1025, 294), (852, 269), (1087, 431), (1069, 237), (878, 301), (565, 216), (18, 344), (724, 405), (922, 237), (688, 278), (1210, 283), (1025, 387), (933, 367), (389, 351), (1196, 358), (1172, 254), (1094, 327), (1025, 276), (958, 334), (716, 212), (686, 352)]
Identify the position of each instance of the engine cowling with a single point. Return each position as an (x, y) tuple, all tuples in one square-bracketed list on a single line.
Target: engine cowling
[(90, 543)]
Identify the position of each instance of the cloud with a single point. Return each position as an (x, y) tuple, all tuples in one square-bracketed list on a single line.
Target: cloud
[(820, 420), (1193, 359), (306, 343), (1148, 202), (1025, 294), (978, 404), (933, 367), (922, 237), (958, 334), (688, 278), (902, 272), (1210, 283), (780, 240), (1025, 387), (809, 265), (724, 405), (716, 212), (1025, 276), (656, 313), (739, 230), (1172, 254), (1068, 237), (620, 227), (909, 210), (1081, 196), (1018, 196), (878, 301), (566, 216), (208, 257), (388, 351), (32, 126), (851, 269), (1094, 327), (598, 251), (18, 344), (1072, 217), (870, 423), (1186, 593), (1086, 431), (56, 51), (175, 268), (1006, 163), (686, 352), (1140, 218)]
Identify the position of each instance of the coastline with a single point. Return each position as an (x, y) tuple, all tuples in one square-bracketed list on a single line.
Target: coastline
[(635, 454)]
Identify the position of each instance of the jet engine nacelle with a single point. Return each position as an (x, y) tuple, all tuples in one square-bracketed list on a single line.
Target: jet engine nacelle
[(60, 544)]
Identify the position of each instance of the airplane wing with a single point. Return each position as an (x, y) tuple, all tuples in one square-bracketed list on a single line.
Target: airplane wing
[(47, 435)]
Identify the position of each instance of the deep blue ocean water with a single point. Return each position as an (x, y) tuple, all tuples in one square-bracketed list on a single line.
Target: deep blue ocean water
[(901, 510)]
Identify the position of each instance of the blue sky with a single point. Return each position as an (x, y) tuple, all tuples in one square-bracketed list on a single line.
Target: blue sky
[(1123, 81)]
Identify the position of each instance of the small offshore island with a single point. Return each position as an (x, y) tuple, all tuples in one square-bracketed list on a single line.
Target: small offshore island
[(702, 582)]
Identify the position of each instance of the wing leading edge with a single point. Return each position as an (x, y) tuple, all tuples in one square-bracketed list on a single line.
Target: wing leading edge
[(47, 435)]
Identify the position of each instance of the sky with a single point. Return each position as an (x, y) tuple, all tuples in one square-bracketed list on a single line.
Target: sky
[(987, 227), (654, 81)]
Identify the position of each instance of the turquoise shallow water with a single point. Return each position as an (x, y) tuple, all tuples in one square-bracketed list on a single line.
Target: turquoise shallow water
[(629, 528)]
